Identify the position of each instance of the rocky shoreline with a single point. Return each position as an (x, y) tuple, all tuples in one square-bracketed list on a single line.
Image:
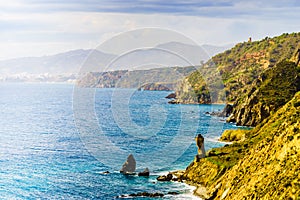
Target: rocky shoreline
[(264, 164)]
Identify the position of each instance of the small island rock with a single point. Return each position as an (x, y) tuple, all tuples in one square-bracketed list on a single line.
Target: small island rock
[(171, 96), (129, 166), (165, 178), (144, 173)]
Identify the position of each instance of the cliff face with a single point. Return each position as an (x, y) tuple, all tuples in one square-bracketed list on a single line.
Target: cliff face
[(266, 165), (273, 88), (236, 75), (187, 91), (158, 86), (152, 79)]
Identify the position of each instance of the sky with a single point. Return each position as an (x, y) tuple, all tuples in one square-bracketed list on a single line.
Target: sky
[(45, 27)]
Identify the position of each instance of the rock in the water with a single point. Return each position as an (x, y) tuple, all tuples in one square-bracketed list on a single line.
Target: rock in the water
[(165, 178), (173, 193), (147, 194), (173, 102), (171, 96), (200, 144), (144, 173), (129, 166)]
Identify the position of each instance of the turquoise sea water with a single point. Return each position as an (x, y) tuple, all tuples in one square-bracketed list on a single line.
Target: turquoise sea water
[(42, 155)]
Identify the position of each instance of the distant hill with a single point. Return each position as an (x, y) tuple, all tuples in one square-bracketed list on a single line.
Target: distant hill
[(69, 63), (151, 79), (62, 63)]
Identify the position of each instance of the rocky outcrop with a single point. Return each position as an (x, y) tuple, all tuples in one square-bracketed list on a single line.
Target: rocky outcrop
[(187, 91), (102, 79), (236, 77), (275, 87), (171, 96), (158, 86), (142, 194), (200, 144), (296, 57), (226, 111), (148, 194), (165, 177), (129, 166), (151, 79), (263, 166), (146, 172)]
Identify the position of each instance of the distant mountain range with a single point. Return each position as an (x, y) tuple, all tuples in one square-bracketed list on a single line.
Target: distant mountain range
[(65, 66)]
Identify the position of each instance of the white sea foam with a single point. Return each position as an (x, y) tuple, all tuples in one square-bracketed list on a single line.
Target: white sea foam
[(188, 192)]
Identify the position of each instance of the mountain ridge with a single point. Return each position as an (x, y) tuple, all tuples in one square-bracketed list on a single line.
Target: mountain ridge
[(70, 62)]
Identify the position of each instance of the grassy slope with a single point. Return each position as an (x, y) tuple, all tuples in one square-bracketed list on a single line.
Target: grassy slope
[(264, 166), (236, 76), (244, 63)]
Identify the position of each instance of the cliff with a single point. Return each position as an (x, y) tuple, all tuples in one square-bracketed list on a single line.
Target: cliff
[(265, 165), (237, 75), (158, 86), (273, 88), (152, 79)]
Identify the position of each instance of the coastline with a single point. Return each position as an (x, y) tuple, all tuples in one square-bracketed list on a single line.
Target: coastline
[(244, 168), (199, 191)]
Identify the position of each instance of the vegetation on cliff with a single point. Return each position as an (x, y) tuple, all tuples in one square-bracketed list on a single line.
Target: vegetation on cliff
[(152, 79), (265, 165), (271, 90), (243, 75)]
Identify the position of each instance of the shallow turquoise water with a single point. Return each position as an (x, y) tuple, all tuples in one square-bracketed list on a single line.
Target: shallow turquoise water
[(42, 155)]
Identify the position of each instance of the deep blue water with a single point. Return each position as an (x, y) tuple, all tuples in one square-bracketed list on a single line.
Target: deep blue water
[(45, 155)]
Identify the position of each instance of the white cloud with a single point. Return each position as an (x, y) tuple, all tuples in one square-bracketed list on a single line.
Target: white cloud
[(39, 28)]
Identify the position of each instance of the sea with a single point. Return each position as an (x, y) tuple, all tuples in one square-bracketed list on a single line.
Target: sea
[(52, 147)]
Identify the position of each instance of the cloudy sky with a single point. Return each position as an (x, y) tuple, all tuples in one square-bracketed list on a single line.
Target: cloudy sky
[(44, 27)]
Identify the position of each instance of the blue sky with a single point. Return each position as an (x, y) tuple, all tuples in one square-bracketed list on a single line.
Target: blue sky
[(43, 27)]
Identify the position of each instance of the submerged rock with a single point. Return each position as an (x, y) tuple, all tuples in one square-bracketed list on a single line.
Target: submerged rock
[(129, 166)]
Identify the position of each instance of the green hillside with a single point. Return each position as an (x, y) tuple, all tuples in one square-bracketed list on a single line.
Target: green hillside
[(249, 69)]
